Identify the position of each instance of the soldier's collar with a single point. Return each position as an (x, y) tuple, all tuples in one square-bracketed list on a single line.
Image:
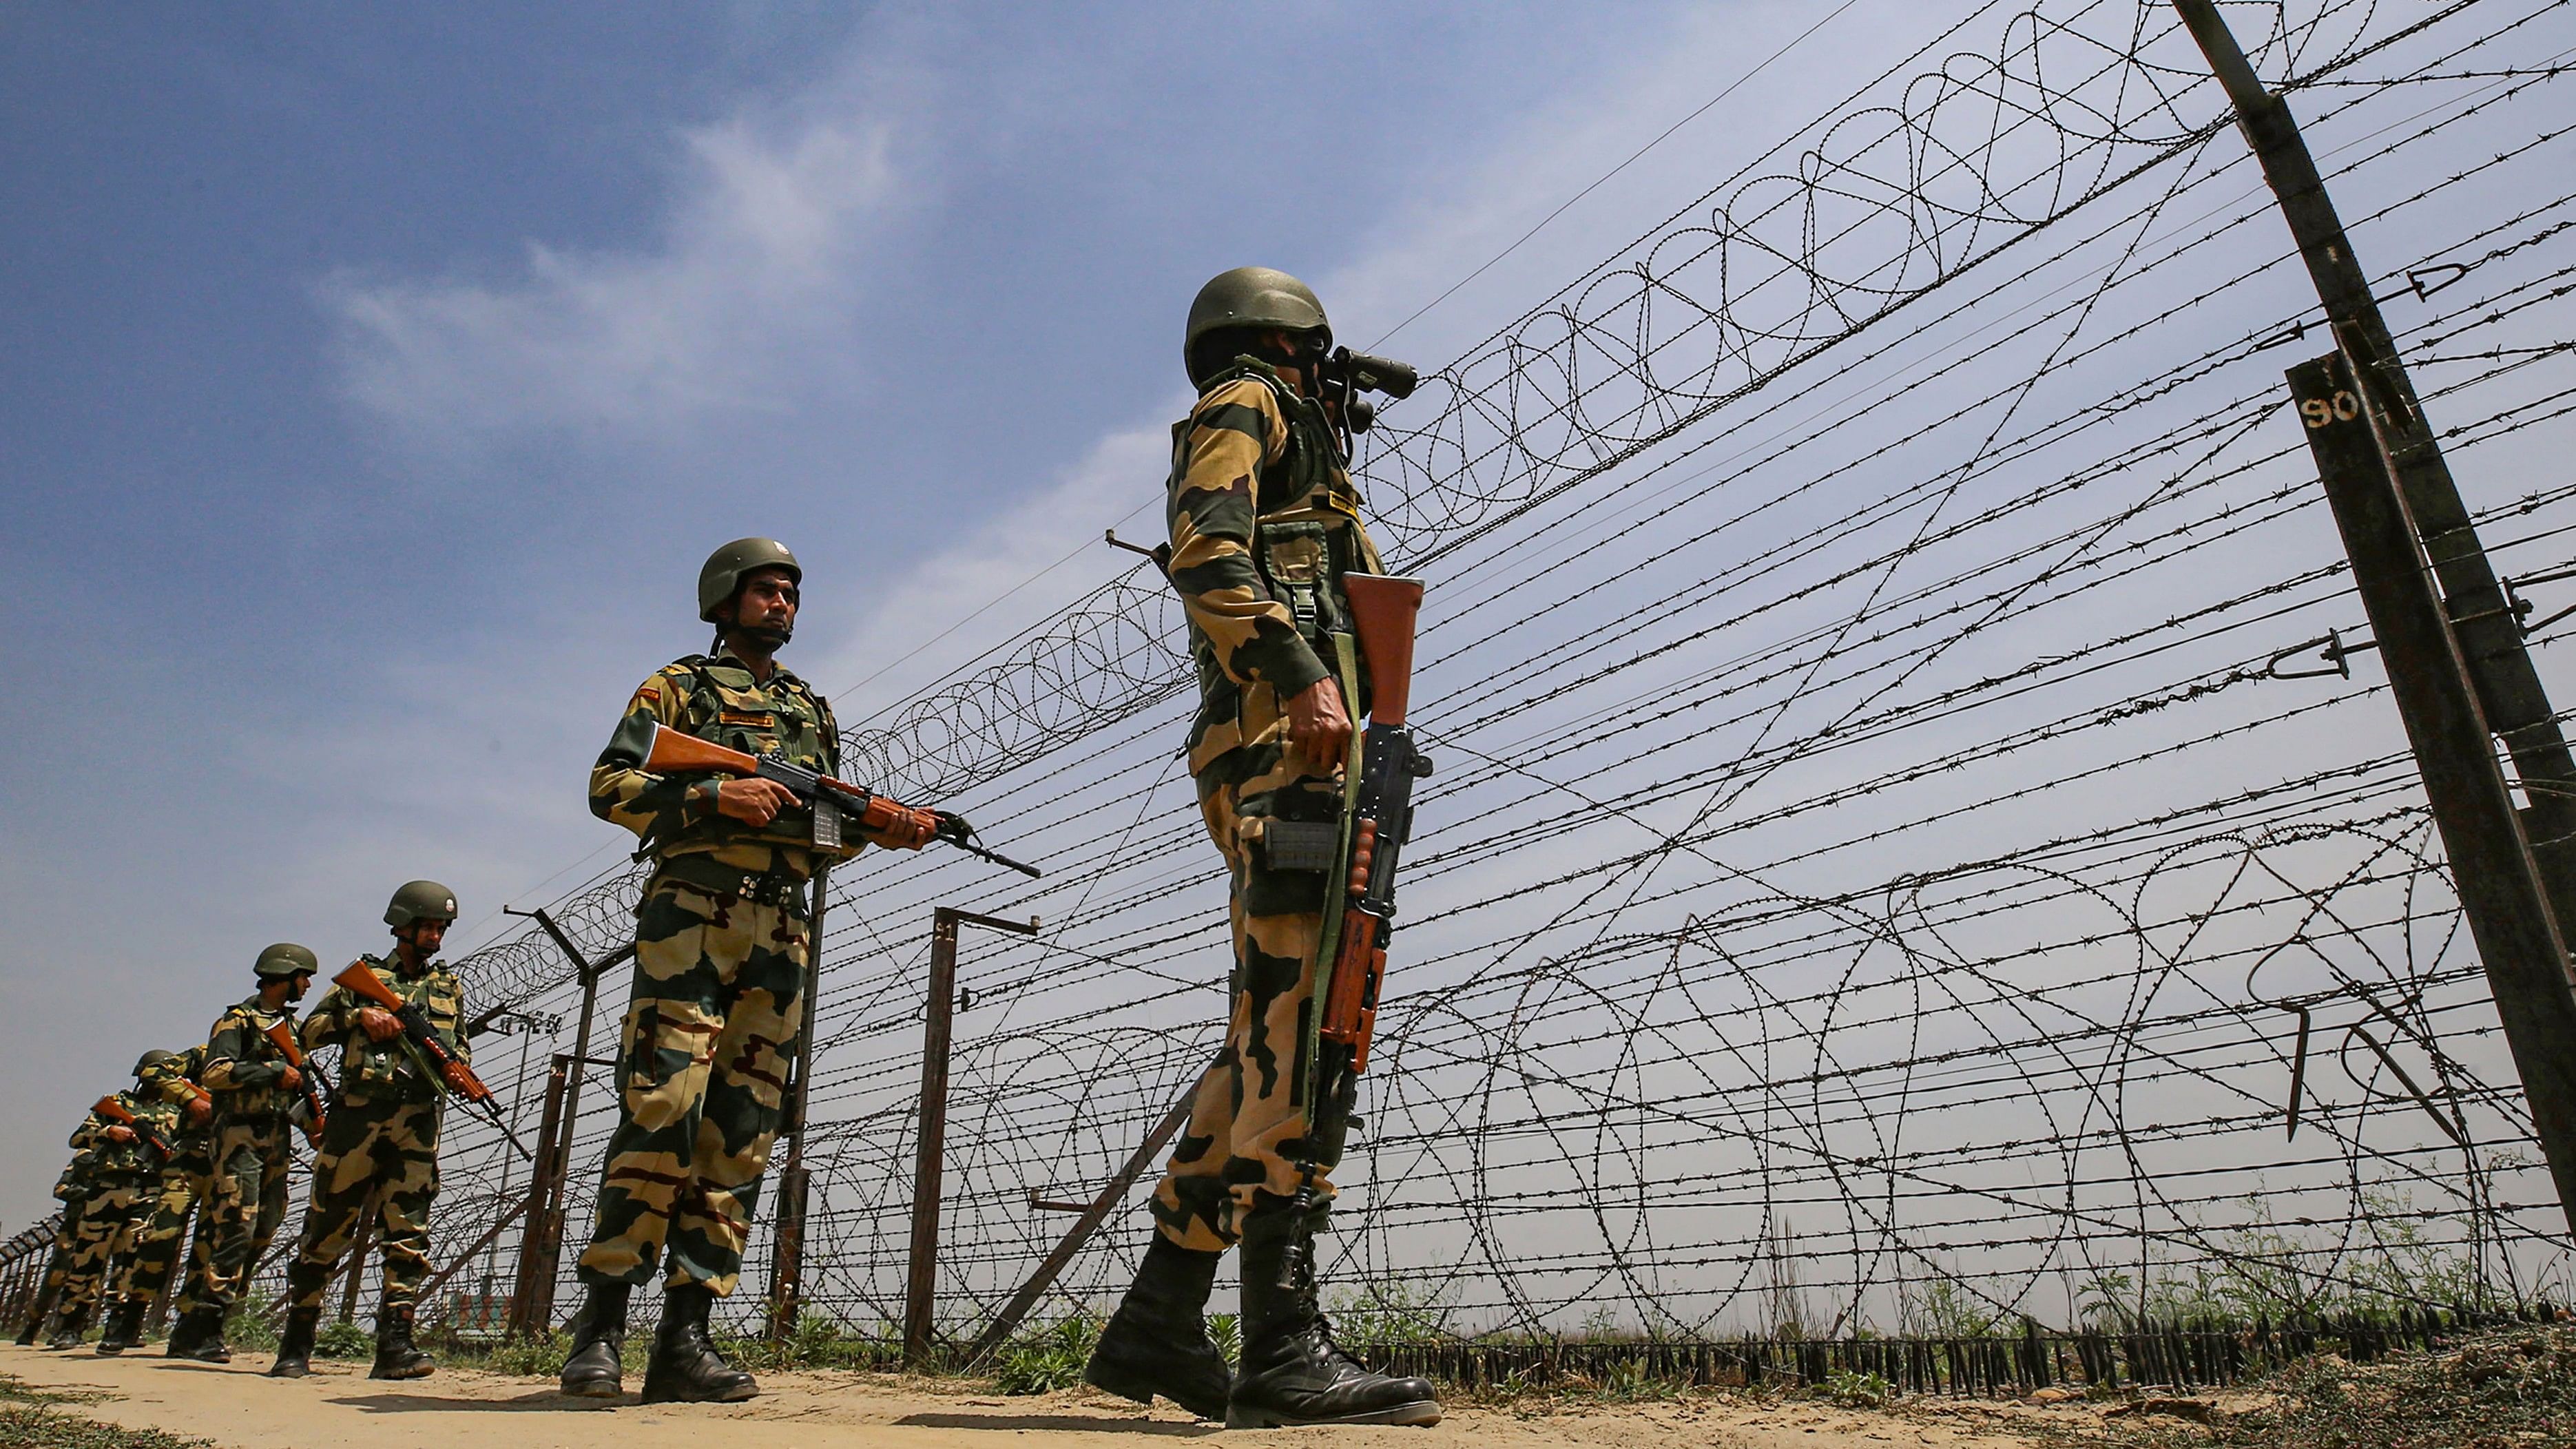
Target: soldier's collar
[(778, 673)]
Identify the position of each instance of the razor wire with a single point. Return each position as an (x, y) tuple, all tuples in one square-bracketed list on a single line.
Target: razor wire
[(1912, 845)]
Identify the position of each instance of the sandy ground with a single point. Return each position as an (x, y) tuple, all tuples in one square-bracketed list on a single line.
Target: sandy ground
[(239, 1406)]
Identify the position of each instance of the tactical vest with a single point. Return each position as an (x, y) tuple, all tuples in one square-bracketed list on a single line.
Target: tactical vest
[(392, 1071), (1306, 520), (728, 706)]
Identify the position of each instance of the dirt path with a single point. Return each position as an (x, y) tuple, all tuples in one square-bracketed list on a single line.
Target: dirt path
[(239, 1407)]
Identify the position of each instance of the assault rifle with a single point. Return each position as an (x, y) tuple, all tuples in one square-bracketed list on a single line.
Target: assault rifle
[(675, 753), (283, 1034), (117, 1112), (442, 1060), (1381, 808)]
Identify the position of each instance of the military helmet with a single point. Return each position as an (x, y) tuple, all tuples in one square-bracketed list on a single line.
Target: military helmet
[(421, 900), (1253, 297), (151, 1059), (721, 579), (286, 959)]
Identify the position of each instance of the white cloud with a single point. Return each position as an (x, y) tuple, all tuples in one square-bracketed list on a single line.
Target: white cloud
[(753, 278)]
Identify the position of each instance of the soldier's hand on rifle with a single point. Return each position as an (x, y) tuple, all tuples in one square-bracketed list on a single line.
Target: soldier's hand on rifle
[(290, 1080), (200, 1111), (378, 1023), (1319, 728), (458, 1075), (120, 1134), (753, 801)]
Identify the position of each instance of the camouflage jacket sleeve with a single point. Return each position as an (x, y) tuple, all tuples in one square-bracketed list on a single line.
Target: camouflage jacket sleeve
[(622, 793), (233, 1063), (1234, 432), (174, 1079), (87, 1136), (330, 1020)]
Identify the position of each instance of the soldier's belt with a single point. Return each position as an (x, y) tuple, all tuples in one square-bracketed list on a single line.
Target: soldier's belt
[(773, 887)]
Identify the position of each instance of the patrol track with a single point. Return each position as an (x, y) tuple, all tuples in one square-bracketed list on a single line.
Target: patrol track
[(1886, 838)]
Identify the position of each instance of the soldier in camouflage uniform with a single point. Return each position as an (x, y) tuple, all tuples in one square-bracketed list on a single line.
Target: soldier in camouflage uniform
[(71, 1189), (721, 943), (169, 1079), (254, 1087), (1264, 525), (381, 1144), (122, 1167)]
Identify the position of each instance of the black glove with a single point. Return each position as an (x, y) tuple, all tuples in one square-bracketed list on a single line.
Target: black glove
[(953, 827)]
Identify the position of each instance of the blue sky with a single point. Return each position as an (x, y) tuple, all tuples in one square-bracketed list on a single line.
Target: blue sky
[(375, 379)]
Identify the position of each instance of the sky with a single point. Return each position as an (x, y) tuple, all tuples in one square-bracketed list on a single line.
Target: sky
[(374, 381)]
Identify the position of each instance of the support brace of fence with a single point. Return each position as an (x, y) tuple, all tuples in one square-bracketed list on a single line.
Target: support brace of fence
[(931, 1138), (1096, 1213), (532, 1298)]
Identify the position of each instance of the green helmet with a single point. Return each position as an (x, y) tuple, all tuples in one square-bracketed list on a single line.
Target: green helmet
[(721, 579), (421, 900), (1252, 297), (151, 1059), (286, 959)]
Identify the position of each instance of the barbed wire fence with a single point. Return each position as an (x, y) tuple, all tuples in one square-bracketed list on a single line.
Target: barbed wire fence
[(1918, 845)]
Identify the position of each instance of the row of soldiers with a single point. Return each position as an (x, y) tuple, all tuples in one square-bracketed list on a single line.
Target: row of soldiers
[(203, 1134), (1265, 529)]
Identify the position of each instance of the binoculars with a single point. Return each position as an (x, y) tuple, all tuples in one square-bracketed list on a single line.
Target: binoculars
[(1352, 373)]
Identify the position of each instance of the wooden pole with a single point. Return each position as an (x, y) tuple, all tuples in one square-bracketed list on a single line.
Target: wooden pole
[(526, 1317), (546, 1199)]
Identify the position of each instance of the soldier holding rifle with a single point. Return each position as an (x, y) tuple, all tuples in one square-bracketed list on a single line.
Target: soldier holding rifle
[(128, 1137), (257, 1087), (1265, 531), (185, 1180), (721, 943), (72, 1189), (381, 1143)]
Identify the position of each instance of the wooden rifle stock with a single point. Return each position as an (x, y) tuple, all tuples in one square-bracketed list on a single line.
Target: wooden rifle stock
[(282, 1033), (1384, 612), (117, 1112), (358, 981), (674, 752)]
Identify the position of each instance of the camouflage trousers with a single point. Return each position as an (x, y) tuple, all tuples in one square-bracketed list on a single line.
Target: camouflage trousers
[(385, 1153), (710, 1028), (1248, 1133), (243, 1207), (106, 1223), (59, 1265), (163, 1223)]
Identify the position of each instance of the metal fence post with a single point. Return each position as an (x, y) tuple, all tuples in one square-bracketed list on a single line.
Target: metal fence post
[(2500, 891), (930, 1144)]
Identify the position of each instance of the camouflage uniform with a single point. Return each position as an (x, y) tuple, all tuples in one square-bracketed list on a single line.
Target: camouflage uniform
[(720, 951), (71, 1189), (184, 1182), (119, 1175), (382, 1136), (1264, 523), (247, 1199)]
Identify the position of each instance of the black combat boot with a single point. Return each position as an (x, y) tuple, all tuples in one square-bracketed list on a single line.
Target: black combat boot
[(69, 1325), (37, 1313), (1292, 1372), (200, 1336), (396, 1356), (295, 1343), (598, 1337), (685, 1367), (1157, 1342), (124, 1327)]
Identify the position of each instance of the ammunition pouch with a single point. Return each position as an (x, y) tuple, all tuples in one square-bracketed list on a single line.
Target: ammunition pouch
[(707, 875)]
